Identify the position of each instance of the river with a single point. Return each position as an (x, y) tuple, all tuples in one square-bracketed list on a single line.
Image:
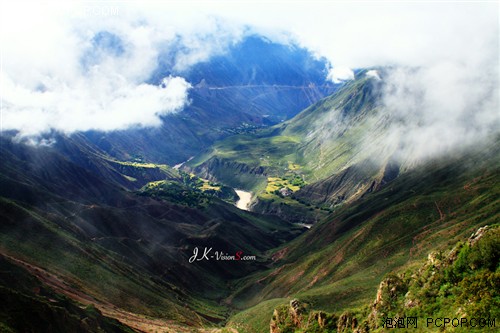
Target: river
[(178, 166), (245, 198)]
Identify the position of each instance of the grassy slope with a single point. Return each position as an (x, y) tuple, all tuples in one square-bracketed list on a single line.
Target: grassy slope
[(327, 131), (117, 247), (461, 282), (31, 306), (328, 138), (338, 264)]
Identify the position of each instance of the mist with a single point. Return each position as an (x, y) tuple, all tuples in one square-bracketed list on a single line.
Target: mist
[(435, 109), (87, 66)]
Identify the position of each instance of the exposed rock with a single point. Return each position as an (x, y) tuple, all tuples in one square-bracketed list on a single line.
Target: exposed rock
[(411, 303), (346, 322), (273, 326), (295, 311), (321, 318), (387, 292), (453, 254), (297, 317), (477, 235)]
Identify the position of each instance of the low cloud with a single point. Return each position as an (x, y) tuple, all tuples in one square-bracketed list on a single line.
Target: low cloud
[(373, 73), (96, 102), (70, 69), (436, 109), (79, 67), (339, 74)]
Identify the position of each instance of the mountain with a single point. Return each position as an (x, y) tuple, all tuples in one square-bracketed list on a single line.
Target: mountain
[(376, 210), (460, 280), (254, 83), (122, 250), (338, 264), (324, 145), (99, 232)]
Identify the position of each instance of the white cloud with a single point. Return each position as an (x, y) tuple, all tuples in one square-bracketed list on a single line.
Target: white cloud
[(94, 103), (438, 108), (45, 86), (65, 72), (373, 74), (339, 74)]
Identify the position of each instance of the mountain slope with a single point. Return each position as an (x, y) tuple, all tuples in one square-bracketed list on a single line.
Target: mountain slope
[(453, 290), (253, 84), (31, 306), (325, 145), (117, 247), (339, 262)]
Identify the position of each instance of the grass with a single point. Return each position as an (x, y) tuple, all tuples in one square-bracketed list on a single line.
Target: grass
[(277, 183), (293, 166), (69, 259), (320, 141), (339, 263), (32, 305), (249, 321)]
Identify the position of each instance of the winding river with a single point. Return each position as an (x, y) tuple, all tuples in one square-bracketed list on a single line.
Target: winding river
[(245, 198)]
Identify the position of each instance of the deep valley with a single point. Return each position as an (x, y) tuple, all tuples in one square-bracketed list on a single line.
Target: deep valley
[(275, 199)]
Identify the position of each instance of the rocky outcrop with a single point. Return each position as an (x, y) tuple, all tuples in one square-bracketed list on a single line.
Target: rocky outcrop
[(388, 291), (445, 277), (465, 279), (296, 311), (476, 236), (298, 317)]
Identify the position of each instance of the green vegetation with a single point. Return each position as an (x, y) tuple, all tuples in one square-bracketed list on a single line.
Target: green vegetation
[(463, 282), (293, 183), (325, 140), (122, 232), (32, 306), (338, 264), (191, 191), (175, 193), (250, 320), (311, 142)]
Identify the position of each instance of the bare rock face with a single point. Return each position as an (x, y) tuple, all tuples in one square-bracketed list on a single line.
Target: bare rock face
[(321, 318), (477, 235), (295, 312), (296, 316), (387, 292), (347, 322), (274, 325)]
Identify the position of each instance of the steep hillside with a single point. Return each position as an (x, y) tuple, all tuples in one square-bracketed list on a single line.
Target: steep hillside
[(338, 263), (119, 248), (325, 145), (453, 290), (253, 84), (32, 306)]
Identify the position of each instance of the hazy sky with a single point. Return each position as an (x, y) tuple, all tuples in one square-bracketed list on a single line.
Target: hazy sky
[(56, 74)]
